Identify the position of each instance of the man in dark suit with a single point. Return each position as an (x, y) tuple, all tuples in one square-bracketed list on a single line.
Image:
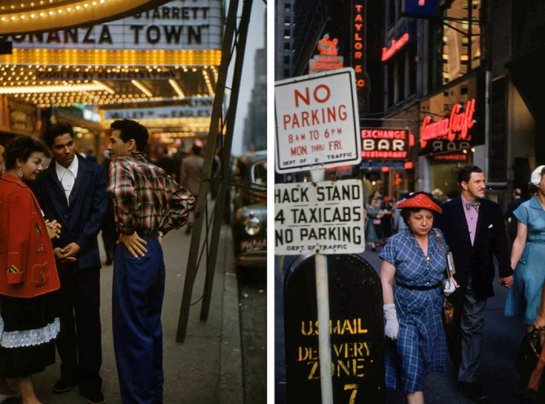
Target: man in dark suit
[(475, 233), (72, 190)]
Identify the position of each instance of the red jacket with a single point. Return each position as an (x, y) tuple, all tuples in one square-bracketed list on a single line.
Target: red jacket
[(27, 263)]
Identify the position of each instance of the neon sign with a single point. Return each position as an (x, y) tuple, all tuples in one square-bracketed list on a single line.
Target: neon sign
[(396, 45), (328, 58), (358, 51), (385, 143), (455, 127)]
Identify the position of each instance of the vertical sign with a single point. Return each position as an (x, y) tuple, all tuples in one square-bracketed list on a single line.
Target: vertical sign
[(317, 121), (356, 328)]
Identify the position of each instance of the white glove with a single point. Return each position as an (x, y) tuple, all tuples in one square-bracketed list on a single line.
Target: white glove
[(391, 328), (449, 286)]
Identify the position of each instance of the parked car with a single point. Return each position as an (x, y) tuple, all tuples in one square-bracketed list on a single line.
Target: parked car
[(249, 224)]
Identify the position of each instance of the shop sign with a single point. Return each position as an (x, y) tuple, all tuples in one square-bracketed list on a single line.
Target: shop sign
[(443, 146), (328, 58), (355, 327), (385, 144), (201, 107), (369, 165), (176, 25), (324, 217), (419, 8), (395, 46), (455, 127), (358, 42), (316, 121)]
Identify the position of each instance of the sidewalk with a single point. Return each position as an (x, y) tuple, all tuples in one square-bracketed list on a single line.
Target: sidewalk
[(207, 367)]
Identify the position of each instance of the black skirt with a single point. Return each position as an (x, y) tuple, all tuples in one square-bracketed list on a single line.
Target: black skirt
[(27, 344)]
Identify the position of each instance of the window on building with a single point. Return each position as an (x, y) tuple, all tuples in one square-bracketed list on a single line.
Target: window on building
[(461, 39)]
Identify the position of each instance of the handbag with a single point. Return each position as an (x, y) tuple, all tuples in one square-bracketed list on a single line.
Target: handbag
[(530, 360), (448, 307)]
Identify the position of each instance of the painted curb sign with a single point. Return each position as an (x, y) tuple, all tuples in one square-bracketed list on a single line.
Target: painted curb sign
[(324, 217), (316, 121)]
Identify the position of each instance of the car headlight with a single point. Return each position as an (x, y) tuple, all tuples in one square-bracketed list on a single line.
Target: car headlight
[(252, 225)]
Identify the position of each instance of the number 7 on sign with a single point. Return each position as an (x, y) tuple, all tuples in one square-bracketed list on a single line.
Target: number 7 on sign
[(354, 388)]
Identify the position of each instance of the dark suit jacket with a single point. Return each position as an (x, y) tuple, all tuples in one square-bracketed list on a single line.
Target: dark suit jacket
[(490, 241), (81, 220)]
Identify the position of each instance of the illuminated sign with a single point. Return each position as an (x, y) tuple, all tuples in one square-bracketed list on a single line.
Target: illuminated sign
[(419, 8), (395, 46), (385, 144), (200, 107), (455, 127), (358, 43), (173, 26), (327, 59)]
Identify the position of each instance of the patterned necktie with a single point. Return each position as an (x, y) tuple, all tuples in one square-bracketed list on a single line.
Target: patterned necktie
[(474, 205)]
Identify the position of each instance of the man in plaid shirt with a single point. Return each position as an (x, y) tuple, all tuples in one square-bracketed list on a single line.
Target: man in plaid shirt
[(147, 204)]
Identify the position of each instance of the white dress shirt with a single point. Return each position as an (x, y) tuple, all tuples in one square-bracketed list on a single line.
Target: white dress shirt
[(67, 176)]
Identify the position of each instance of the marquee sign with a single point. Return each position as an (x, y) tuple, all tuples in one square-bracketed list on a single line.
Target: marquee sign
[(177, 25), (199, 107), (385, 144), (456, 127)]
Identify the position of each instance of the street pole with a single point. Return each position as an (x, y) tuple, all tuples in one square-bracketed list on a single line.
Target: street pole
[(322, 302)]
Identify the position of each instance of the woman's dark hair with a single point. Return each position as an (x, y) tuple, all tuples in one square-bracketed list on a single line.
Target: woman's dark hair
[(465, 173), (533, 188), (58, 129), (21, 148), (132, 130)]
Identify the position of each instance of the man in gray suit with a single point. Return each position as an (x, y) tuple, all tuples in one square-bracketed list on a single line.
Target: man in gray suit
[(191, 173)]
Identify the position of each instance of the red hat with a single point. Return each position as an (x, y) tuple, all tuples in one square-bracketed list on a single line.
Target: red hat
[(419, 200)]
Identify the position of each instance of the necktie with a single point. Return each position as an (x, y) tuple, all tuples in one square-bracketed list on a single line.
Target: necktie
[(474, 205)]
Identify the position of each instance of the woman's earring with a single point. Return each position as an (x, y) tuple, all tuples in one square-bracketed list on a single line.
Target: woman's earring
[(20, 172)]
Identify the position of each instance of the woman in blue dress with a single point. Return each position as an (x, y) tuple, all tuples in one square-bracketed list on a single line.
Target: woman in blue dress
[(412, 274), (528, 254)]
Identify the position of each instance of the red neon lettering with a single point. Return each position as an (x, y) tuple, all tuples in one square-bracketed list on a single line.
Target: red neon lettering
[(454, 127), (387, 53)]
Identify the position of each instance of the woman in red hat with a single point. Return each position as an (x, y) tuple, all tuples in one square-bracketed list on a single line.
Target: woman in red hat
[(412, 274)]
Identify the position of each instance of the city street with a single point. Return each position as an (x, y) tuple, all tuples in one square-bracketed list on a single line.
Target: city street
[(207, 367), (498, 376)]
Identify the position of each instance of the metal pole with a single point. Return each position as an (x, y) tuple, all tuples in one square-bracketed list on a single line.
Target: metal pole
[(215, 125), (230, 123), (322, 300)]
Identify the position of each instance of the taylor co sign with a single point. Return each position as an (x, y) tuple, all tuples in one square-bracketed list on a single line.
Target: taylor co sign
[(316, 121), (176, 25), (324, 217), (455, 127)]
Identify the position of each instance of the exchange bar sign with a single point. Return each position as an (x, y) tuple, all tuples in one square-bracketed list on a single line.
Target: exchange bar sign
[(324, 217), (316, 121)]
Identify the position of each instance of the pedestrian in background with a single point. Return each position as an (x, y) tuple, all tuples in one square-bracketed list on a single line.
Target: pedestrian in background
[(72, 190), (28, 310), (374, 209), (191, 173), (528, 253), (475, 232), (509, 217), (108, 233), (412, 274), (147, 204)]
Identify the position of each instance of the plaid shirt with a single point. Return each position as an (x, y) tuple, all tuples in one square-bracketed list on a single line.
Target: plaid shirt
[(145, 197)]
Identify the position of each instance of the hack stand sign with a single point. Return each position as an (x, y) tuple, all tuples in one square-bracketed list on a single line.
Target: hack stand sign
[(333, 319), (355, 327)]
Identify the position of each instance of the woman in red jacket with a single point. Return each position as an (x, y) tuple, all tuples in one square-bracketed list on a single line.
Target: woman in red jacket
[(28, 275)]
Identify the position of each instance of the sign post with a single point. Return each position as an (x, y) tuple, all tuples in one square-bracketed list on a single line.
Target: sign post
[(317, 123)]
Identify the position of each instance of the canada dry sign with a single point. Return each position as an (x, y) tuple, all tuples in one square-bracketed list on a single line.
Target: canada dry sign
[(316, 121), (324, 217)]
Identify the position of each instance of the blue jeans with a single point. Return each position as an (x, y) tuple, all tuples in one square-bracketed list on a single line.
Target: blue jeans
[(137, 300)]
